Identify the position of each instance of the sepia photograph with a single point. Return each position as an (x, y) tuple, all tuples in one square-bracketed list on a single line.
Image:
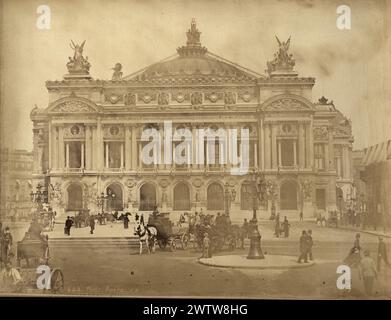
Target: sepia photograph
[(195, 149)]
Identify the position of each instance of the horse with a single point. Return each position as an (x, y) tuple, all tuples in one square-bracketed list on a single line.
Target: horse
[(147, 234)]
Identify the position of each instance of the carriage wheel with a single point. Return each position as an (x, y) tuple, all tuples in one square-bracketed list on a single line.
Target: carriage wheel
[(185, 241), (172, 244), (56, 281)]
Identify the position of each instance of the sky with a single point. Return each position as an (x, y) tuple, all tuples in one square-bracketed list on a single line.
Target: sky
[(351, 67)]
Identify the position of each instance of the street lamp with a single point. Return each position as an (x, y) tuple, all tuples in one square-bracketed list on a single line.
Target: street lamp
[(101, 201), (39, 196), (255, 191), (229, 196)]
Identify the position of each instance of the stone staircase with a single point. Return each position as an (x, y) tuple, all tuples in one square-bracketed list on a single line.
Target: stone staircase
[(99, 243)]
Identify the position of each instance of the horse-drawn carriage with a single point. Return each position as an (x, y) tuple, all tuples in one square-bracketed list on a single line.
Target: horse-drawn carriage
[(31, 252), (167, 233)]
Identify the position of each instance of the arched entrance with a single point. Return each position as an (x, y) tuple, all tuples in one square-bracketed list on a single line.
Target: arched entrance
[(215, 197), (147, 197), (181, 197), (75, 197), (114, 200), (288, 195)]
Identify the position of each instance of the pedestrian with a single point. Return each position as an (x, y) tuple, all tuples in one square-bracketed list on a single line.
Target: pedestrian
[(7, 242), (244, 232), (68, 225), (126, 220), (92, 224), (206, 246), (310, 243), (367, 272), (354, 257), (382, 254), (303, 247), (9, 276), (286, 226), (301, 215)]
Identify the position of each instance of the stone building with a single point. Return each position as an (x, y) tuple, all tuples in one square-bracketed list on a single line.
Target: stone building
[(87, 141), (16, 183)]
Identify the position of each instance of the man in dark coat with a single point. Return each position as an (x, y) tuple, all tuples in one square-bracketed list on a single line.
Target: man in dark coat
[(286, 226), (303, 247), (310, 243), (126, 220), (382, 254), (92, 224), (68, 225)]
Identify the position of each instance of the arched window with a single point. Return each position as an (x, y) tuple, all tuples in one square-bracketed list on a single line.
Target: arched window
[(75, 197), (147, 197), (181, 197), (114, 197), (215, 197), (288, 195)]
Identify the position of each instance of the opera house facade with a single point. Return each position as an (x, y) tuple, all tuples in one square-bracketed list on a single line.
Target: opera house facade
[(87, 141)]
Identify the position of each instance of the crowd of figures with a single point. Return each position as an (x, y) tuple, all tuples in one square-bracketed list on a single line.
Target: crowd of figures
[(368, 269)]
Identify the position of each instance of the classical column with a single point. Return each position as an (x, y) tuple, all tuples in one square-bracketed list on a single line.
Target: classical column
[(326, 157), (99, 145), (122, 155), (194, 146), (331, 150), (279, 154), (107, 154), (261, 143), (267, 153), (67, 155), (50, 146), (309, 146), (61, 147), (54, 151), (274, 146), (301, 146), (346, 162), (128, 148), (140, 164), (255, 155), (134, 148), (82, 155), (294, 153), (88, 149)]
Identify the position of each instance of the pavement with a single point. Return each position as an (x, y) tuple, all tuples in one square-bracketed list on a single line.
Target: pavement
[(240, 261)]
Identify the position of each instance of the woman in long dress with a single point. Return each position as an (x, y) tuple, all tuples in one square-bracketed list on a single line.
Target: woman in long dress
[(354, 257)]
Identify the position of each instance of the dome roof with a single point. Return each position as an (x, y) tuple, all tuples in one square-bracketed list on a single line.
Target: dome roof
[(194, 65), (194, 62)]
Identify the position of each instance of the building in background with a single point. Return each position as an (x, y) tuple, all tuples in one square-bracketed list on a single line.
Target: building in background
[(16, 183), (377, 176), (87, 141)]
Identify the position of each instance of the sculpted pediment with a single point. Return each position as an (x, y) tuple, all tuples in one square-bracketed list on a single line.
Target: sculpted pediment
[(73, 105), (287, 103)]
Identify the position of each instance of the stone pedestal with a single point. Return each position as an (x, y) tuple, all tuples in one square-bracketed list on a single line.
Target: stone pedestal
[(308, 210)]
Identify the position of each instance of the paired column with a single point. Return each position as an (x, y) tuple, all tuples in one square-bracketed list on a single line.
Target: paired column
[(274, 146), (267, 150), (61, 147), (128, 148), (134, 148), (88, 148), (301, 146), (309, 146)]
